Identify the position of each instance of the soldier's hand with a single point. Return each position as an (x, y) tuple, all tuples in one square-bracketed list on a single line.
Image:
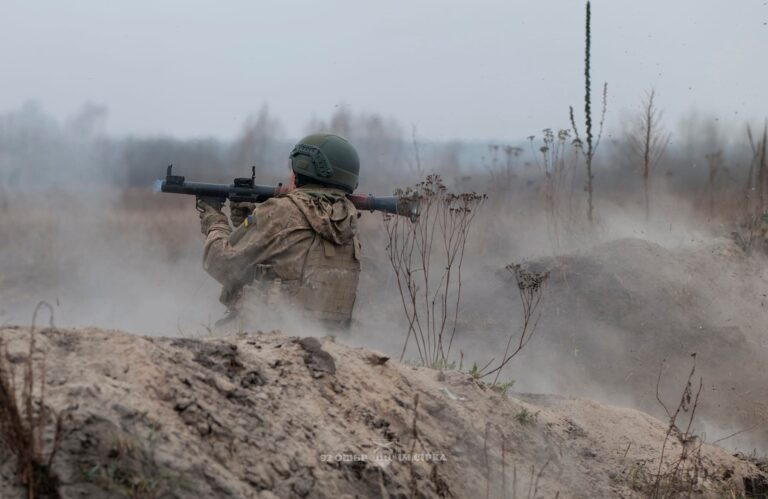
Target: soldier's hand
[(210, 213), (239, 211), (205, 204)]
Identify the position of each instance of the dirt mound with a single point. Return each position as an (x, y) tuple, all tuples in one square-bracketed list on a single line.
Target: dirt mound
[(619, 311), (265, 415)]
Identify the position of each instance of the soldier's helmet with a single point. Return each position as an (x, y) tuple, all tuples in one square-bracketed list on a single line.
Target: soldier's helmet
[(328, 159)]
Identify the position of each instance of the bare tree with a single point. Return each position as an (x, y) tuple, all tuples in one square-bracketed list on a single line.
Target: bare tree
[(342, 121), (748, 231), (649, 141), (258, 132), (756, 180), (416, 165), (714, 160)]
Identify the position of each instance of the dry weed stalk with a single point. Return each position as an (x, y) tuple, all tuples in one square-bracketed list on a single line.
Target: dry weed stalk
[(501, 174), (749, 232), (427, 257), (533, 486), (415, 438), (555, 167), (22, 422), (533, 479), (681, 474), (530, 286), (486, 461), (514, 480), (503, 464), (590, 141)]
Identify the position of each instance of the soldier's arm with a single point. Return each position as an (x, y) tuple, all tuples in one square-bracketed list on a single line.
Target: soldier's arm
[(220, 259), (270, 229)]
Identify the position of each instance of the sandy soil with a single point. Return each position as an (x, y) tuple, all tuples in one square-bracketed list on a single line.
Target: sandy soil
[(617, 313), (267, 415)]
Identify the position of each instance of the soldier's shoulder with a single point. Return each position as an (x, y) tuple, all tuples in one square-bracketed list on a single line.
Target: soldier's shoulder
[(281, 210), (279, 203)]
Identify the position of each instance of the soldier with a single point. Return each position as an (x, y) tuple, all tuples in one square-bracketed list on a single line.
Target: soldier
[(298, 251)]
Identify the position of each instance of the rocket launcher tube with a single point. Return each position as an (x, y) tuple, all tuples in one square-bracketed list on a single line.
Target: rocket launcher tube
[(246, 190)]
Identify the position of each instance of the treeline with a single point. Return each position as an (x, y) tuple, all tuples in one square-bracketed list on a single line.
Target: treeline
[(713, 167), (38, 151)]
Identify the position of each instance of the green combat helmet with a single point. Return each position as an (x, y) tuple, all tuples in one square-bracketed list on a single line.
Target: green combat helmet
[(327, 158)]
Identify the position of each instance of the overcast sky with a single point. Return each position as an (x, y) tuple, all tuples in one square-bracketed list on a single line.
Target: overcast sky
[(495, 69)]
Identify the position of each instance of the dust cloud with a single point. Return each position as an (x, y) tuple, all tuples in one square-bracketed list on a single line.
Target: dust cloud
[(81, 229)]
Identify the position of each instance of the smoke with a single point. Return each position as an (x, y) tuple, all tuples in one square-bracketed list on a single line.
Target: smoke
[(81, 228)]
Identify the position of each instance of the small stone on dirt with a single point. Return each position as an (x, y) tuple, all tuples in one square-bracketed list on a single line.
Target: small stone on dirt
[(376, 359), (317, 360)]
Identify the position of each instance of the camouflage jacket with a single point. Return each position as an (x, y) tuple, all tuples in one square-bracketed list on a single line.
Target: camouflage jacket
[(305, 240)]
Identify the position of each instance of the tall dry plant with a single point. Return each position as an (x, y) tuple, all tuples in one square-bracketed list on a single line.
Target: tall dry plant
[(590, 143), (23, 422), (502, 172), (427, 255), (679, 474), (648, 142), (530, 286), (552, 160), (678, 470)]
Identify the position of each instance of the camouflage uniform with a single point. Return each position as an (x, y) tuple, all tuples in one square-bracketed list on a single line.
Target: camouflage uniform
[(299, 250)]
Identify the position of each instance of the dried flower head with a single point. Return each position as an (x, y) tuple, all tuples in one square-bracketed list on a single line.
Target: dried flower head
[(528, 280)]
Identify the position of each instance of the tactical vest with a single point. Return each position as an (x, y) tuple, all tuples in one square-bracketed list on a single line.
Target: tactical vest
[(324, 293), (328, 286)]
